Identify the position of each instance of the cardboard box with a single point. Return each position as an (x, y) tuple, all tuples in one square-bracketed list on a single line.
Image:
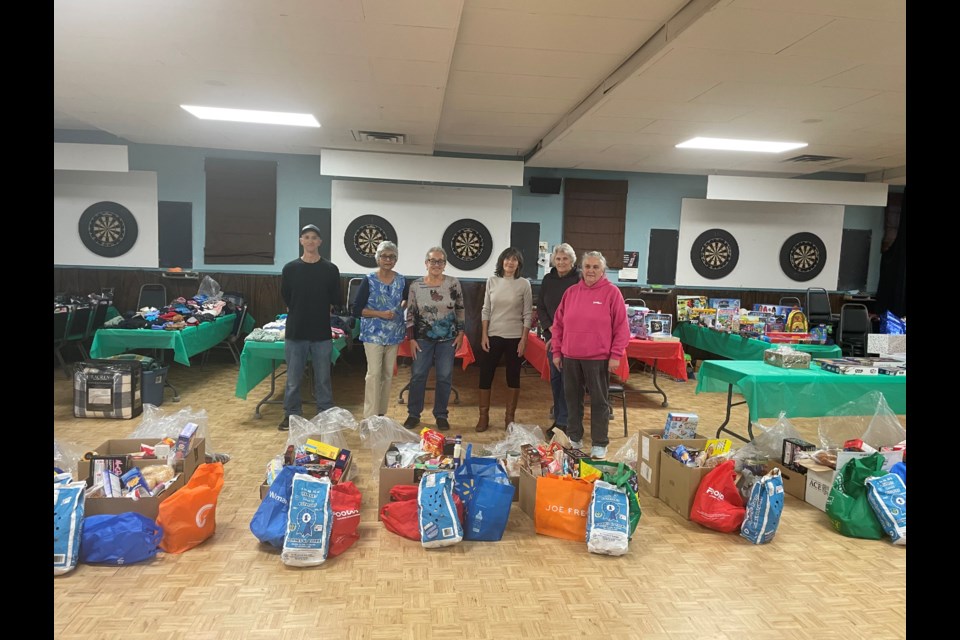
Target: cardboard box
[(818, 487), (648, 471), (794, 482), (679, 483), (528, 492), (149, 507), (194, 458)]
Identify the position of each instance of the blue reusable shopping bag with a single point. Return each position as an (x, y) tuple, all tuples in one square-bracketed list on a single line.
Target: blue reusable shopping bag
[(119, 539), (269, 523), (487, 494)]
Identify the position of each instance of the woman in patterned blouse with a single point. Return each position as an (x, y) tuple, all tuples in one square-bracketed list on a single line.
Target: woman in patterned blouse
[(379, 305), (435, 328)]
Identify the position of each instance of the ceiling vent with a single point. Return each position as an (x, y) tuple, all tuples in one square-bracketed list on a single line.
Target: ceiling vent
[(378, 136), (813, 158)]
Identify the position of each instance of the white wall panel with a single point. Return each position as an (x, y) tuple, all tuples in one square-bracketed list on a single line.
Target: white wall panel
[(760, 229), (74, 191), (870, 194), (90, 157), (419, 214)]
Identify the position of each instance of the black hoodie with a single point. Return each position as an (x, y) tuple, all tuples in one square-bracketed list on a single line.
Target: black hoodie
[(552, 288)]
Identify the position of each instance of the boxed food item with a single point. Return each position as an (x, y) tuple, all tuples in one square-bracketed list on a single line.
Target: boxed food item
[(786, 358), (790, 452), (682, 426)]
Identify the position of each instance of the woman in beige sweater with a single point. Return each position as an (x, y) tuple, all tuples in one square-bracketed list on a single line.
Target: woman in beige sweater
[(505, 322)]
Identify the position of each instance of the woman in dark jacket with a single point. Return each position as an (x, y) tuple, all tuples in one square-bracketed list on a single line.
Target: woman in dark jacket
[(563, 276)]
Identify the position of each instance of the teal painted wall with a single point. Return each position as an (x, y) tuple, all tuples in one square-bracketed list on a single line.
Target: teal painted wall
[(653, 200)]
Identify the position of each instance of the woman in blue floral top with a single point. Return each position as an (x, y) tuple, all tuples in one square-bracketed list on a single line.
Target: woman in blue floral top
[(379, 305), (435, 328)]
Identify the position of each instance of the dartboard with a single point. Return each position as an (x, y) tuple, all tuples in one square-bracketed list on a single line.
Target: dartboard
[(468, 244), (714, 254), (803, 256), (363, 235), (108, 229)]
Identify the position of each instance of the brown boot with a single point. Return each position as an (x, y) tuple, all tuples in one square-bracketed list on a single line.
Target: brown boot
[(484, 422), (513, 395)]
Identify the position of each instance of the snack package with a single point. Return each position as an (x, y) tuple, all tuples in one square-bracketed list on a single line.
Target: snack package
[(432, 441)]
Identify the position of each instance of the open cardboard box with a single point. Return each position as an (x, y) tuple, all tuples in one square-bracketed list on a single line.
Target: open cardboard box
[(819, 478), (648, 471), (679, 483), (149, 507)]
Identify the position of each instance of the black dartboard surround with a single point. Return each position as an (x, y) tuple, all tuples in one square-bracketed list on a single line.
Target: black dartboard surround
[(468, 244), (363, 235), (803, 256), (714, 254), (108, 229)]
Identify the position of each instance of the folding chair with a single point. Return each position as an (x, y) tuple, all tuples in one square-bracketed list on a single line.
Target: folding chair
[(61, 322), (854, 327), (152, 295)]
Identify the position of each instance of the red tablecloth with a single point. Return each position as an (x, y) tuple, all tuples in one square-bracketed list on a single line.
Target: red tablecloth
[(536, 354), (465, 352), (669, 356)]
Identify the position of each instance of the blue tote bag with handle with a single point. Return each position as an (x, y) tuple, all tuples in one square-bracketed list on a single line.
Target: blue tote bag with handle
[(487, 494)]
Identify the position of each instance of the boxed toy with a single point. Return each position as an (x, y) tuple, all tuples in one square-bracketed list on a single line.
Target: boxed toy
[(680, 426), (687, 303), (658, 324), (635, 319)]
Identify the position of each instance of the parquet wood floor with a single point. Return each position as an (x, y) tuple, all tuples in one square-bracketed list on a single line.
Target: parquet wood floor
[(678, 581)]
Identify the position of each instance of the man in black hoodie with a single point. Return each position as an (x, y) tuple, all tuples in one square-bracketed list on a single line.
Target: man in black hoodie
[(561, 277)]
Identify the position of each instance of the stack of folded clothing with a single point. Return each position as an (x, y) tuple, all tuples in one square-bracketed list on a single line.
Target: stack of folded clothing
[(179, 314)]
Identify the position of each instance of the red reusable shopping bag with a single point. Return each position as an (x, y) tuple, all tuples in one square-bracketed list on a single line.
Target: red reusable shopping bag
[(718, 504), (345, 500)]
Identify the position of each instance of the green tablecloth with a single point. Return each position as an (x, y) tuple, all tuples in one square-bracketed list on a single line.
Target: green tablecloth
[(737, 347), (259, 359), (801, 393), (185, 343)]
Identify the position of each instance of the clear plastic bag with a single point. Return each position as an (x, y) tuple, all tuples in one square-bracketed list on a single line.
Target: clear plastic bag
[(868, 418), (156, 423), (376, 434), (210, 288), (628, 453), (330, 425), (66, 456), (517, 436), (767, 443)]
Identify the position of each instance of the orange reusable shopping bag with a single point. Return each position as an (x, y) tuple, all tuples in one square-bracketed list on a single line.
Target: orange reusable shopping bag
[(562, 506), (188, 517)]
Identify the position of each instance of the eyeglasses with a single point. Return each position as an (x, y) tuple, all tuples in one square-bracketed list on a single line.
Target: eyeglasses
[(436, 263), (387, 256)]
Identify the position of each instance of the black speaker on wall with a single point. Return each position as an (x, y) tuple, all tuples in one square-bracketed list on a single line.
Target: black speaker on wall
[(545, 185)]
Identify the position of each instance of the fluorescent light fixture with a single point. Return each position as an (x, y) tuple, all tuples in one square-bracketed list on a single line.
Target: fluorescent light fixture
[(248, 115), (729, 144)]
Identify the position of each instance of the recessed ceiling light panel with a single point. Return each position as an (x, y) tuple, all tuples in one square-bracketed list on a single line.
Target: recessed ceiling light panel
[(730, 144), (249, 115)]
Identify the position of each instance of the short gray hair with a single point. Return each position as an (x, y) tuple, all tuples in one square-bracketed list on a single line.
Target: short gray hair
[(383, 246), (598, 256), (563, 247), (435, 250)]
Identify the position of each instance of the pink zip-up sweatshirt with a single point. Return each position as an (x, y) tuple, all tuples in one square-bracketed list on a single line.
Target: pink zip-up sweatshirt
[(591, 323)]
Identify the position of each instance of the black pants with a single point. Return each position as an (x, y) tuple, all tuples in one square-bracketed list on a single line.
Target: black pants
[(490, 359), (595, 376)]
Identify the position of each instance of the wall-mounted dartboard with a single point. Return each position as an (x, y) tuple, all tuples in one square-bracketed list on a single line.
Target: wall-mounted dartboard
[(108, 229), (803, 256), (468, 244), (362, 237), (714, 254)]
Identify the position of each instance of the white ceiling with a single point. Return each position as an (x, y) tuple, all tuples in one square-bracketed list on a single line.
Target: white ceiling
[(586, 84)]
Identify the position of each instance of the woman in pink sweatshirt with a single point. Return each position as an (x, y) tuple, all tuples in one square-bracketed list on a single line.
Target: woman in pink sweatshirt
[(590, 336)]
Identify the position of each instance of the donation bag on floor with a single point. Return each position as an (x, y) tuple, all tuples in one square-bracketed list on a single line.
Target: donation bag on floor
[(189, 516), (561, 507), (345, 500), (484, 487), (717, 503), (848, 506), (619, 475), (119, 539), (269, 523)]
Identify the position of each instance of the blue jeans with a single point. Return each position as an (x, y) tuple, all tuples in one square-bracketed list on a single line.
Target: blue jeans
[(559, 400), (432, 354), (296, 353)]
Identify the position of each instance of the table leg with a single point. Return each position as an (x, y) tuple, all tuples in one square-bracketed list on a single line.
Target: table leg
[(656, 387), (726, 419), (273, 387)]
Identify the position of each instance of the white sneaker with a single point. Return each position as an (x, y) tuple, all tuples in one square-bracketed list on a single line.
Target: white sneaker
[(577, 444), (598, 453)]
